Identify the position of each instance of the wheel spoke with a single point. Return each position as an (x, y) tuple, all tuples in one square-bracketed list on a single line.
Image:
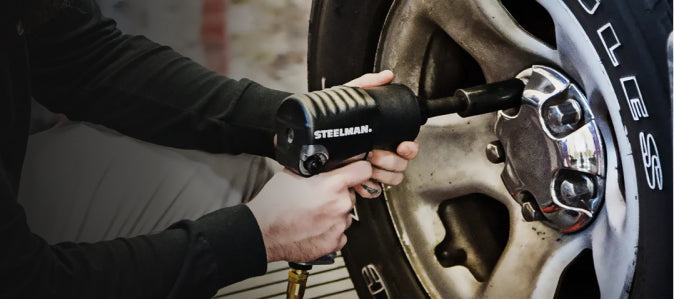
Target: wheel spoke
[(445, 170), (536, 255), (488, 32)]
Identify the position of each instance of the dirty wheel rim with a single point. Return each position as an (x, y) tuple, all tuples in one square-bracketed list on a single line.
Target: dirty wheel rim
[(452, 161)]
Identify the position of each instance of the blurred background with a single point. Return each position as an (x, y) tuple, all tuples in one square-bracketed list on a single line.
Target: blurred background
[(263, 40)]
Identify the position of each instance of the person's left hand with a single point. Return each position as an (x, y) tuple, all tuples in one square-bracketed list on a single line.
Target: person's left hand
[(387, 167)]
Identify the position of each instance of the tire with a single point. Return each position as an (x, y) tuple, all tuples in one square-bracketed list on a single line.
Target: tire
[(629, 38)]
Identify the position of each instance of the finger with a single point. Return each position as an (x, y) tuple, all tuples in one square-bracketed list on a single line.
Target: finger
[(343, 206), (387, 160), (341, 244), (349, 220), (347, 161), (368, 189), (372, 79), (408, 149), (336, 229), (387, 177), (322, 245), (351, 175)]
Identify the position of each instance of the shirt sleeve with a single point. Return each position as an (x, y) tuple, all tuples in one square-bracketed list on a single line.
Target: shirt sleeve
[(191, 259), (81, 65), (84, 67)]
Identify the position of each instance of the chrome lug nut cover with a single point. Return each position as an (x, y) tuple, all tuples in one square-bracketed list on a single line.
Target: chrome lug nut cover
[(553, 151)]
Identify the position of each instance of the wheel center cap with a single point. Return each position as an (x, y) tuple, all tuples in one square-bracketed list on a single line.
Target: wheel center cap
[(554, 157)]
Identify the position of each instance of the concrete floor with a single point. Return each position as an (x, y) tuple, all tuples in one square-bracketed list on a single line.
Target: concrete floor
[(264, 40)]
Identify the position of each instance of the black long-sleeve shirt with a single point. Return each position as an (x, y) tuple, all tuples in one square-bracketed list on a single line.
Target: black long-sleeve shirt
[(81, 65)]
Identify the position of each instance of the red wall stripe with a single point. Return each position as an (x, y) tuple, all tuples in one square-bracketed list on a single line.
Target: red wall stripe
[(214, 35)]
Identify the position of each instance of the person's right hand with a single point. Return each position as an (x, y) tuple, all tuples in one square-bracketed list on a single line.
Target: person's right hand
[(302, 219)]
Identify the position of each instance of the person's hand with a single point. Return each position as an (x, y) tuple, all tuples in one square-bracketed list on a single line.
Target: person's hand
[(302, 219), (388, 167)]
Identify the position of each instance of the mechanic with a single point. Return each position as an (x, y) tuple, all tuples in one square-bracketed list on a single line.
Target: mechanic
[(74, 61)]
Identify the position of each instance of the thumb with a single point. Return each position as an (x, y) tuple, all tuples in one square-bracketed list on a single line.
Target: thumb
[(408, 149), (372, 79), (352, 174)]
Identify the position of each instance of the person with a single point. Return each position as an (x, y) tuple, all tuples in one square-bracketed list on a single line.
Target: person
[(74, 61)]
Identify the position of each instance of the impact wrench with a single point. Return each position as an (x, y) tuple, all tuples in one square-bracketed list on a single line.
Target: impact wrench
[(317, 130)]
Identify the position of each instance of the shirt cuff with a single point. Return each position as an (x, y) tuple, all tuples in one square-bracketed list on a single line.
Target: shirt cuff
[(236, 239)]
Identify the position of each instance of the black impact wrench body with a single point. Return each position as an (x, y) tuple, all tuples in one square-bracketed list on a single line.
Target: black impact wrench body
[(317, 130)]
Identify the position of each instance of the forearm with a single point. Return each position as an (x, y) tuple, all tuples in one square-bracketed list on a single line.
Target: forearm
[(84, 67), (189, 260)]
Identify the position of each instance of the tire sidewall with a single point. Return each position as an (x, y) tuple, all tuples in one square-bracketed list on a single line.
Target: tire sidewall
[(640, 59)]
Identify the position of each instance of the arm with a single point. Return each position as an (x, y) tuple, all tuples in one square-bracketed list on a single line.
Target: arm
[(83, 66), (191, 259)]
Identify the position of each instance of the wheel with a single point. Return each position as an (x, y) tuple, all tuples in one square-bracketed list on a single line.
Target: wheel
[(571, 201)]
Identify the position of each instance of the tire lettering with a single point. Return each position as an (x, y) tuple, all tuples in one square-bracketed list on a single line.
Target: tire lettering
[(354, 213), (651, 159), (590, 6), (633, 96), (649, 150), (610, 41), (373, 280)]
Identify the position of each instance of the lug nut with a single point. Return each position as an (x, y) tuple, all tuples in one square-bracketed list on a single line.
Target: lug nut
[(530, 210), (577, 191), (562, 117), (495, 152)]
